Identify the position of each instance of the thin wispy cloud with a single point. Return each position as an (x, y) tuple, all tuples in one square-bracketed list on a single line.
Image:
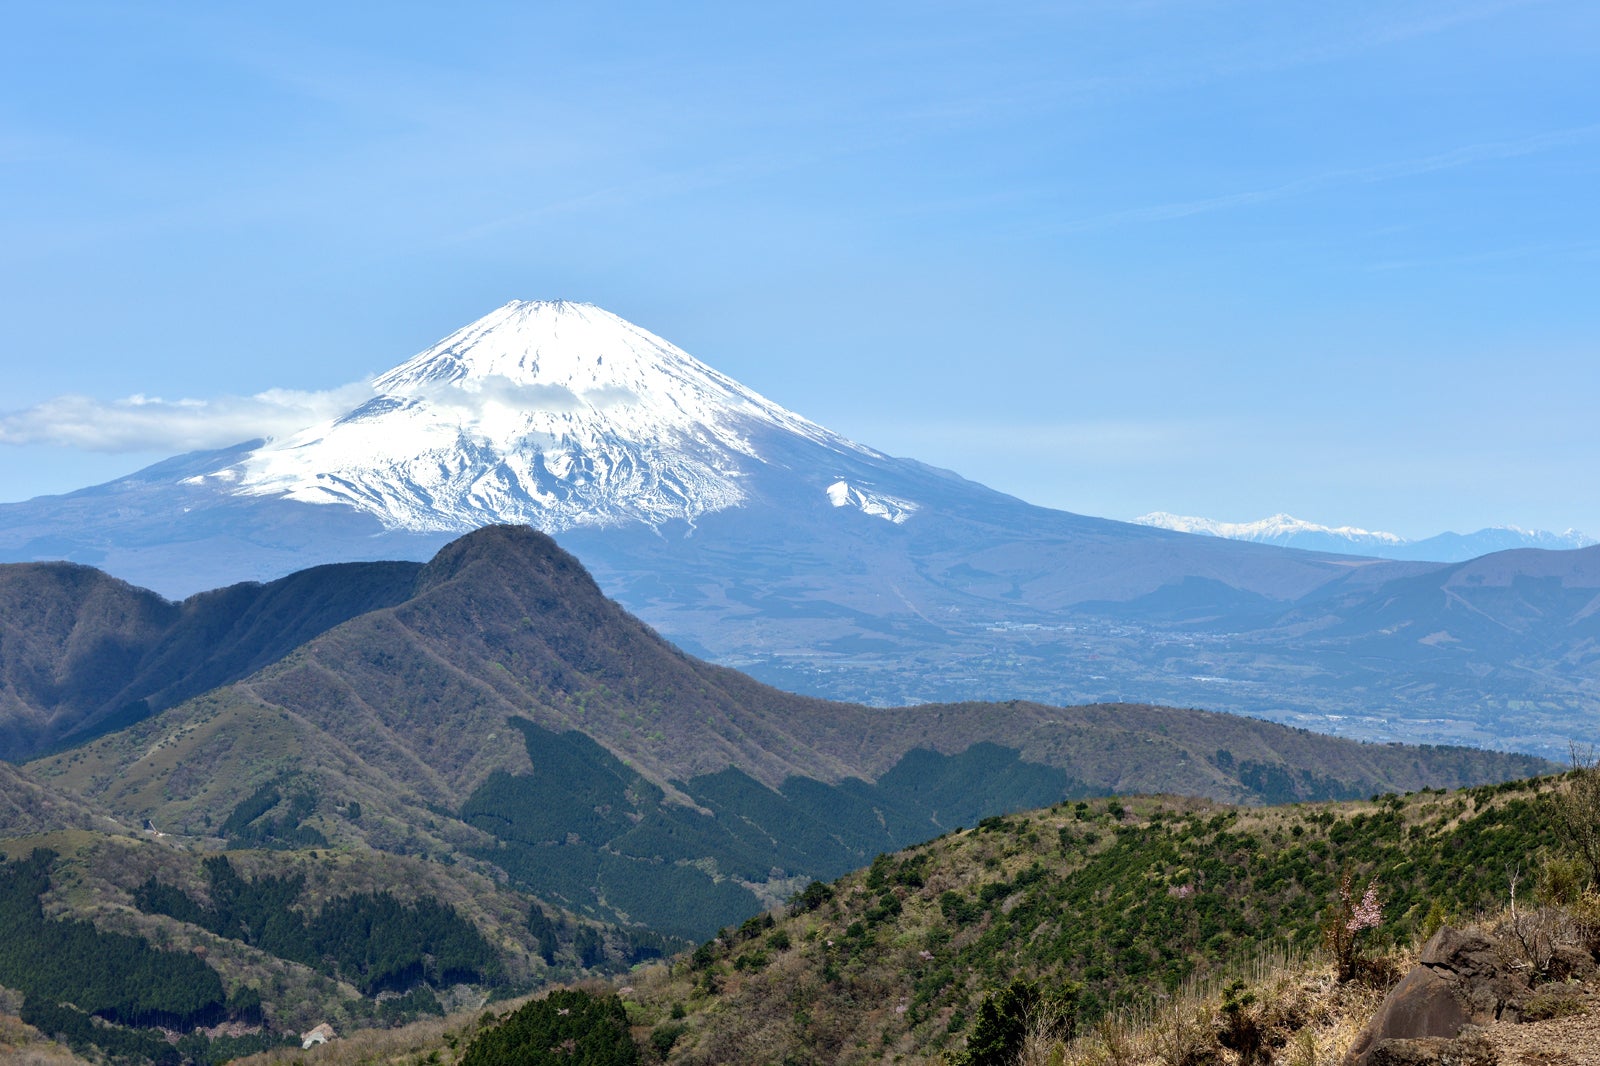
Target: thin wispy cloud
[(150, 423)]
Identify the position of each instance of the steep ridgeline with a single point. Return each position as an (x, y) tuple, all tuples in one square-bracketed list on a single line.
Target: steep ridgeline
[(83, 654), (508, 711)]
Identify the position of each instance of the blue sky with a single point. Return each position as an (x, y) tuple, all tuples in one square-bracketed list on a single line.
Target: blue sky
[(1216, 258)]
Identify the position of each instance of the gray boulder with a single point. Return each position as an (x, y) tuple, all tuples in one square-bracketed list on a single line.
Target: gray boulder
[(1433, 1051), (1461, 979)]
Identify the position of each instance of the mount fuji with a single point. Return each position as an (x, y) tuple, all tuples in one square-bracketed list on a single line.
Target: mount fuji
[(570, 419), (552, 414), (756, 538)]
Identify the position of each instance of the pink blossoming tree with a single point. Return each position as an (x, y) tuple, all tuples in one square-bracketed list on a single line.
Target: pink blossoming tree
[(1346, 919)]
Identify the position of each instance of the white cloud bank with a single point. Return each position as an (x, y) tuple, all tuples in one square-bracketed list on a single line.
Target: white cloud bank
[(472, 395), (149, 423)]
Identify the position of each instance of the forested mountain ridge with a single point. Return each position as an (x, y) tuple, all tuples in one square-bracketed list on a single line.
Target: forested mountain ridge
[(82, 653), (415, 697), (30, 808), (266, 942), (440, 718)]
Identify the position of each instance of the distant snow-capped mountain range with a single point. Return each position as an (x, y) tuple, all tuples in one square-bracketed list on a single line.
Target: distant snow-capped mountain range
[(1286, 531)]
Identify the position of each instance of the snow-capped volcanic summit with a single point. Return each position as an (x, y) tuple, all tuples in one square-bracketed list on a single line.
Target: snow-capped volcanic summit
[(550, 413)]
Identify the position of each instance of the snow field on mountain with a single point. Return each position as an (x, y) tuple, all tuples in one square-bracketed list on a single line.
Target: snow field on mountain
[(552, 413)]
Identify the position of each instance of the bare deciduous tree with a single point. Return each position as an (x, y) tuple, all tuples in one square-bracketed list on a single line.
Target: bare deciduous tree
[(1576, 809)]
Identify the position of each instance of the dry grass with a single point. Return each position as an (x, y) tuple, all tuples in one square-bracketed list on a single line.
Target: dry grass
[(23, 1045), (1275, 1007)]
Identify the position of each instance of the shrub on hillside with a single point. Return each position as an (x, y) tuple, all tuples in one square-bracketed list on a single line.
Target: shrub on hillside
[(1009, 1017), (569, 1027)]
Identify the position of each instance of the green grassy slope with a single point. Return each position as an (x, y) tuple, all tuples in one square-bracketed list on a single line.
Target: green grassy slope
[(1097, 906), (1112, 901)]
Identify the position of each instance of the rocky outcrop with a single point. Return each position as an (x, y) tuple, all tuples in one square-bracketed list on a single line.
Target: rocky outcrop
[(1461, 980), (1433, 1051)]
